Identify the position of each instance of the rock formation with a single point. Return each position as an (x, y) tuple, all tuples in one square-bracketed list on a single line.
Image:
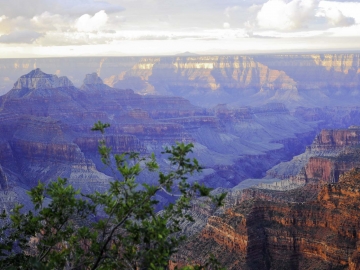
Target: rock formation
[(45, 132), (313, 225), (310, 80), (37, 79), (45, 126), (258, 234), (260, 237)]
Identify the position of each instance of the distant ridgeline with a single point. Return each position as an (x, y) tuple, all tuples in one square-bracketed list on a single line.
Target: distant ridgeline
[(313, 80)]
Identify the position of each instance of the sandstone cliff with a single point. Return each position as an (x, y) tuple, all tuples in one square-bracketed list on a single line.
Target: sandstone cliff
[(258, 234), (321, 158), (308, 220)]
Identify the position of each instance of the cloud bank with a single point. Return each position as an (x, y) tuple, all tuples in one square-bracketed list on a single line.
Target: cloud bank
[(75, 23), (20, 37)]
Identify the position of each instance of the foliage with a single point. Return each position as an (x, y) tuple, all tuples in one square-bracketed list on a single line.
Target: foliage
[(118, 229)]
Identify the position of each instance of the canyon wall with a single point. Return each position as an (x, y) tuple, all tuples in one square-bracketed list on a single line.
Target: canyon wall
[(304, 219), (294, 79), (46, 121), (309, 221), (258, 234)]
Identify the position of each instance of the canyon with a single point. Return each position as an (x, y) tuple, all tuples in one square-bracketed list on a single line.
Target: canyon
[(310, 80), (46, 121), (307, 220), (278, 133)]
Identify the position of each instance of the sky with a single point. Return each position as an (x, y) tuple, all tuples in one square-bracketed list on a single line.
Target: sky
[(56, 28)]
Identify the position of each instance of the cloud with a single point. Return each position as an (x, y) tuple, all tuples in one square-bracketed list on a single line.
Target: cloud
[(347, 8), (87, 23), (20, 37), (335, 17), (226, 25), (293, 15), (48, 21), (283, 15), (72, 8), (66, 23), (230, 10)]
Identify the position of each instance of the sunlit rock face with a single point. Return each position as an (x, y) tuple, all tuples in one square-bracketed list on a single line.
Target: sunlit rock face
[(260, 234), (333, 71), (307, 221), (209, 78), (295, 79)]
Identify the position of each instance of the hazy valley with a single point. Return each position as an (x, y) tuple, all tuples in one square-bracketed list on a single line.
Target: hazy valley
[(274, 131)]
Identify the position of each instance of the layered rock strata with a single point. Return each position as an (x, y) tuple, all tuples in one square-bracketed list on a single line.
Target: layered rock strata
[(295, 223), (295, 79), (258, 234), (45, 132)]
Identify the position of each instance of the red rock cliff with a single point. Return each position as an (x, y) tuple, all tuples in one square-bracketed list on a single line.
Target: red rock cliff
[(258, 234)]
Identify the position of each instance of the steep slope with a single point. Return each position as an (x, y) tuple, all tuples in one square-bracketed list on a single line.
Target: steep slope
[(308, 221), (258, 234), (328, 156)]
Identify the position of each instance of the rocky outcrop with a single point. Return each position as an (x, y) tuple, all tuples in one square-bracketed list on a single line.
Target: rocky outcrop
[(331, 153), (260, 234), (37, 79), (306, 221), (93, 82), (320, 168), (93, 79), (336, 139)]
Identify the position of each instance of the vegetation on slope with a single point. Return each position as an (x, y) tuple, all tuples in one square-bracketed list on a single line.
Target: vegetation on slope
[(118, 229)]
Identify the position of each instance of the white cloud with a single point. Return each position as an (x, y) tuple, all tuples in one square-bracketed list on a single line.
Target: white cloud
[(283, 15), (348, 9), (49, 21), (79, 23), (335, 17), (87, 23), (226, 25)]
